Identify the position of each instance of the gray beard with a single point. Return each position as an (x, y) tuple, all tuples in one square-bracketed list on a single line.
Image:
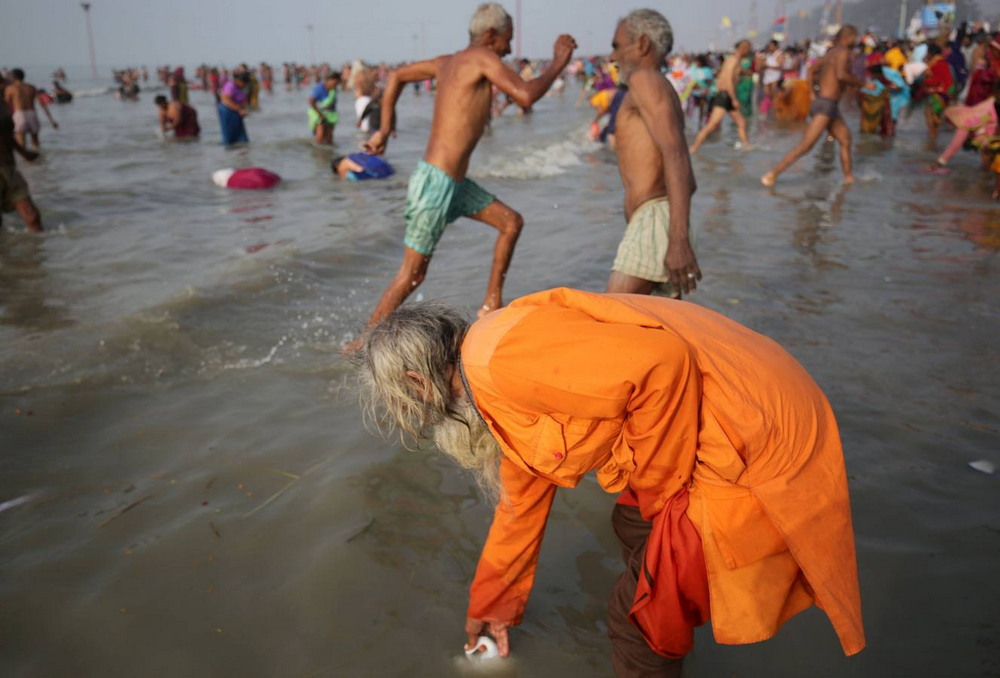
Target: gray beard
[(464, 437)]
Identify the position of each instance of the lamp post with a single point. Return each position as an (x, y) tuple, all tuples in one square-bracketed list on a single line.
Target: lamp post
[(902, 19), (520, 29), (90, 40), (312, 51)]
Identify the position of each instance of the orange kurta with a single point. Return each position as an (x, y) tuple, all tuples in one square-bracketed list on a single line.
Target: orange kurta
[(659, 395)]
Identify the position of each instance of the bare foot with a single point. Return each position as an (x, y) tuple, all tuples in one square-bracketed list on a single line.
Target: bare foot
[(768, 179), (849, 179)]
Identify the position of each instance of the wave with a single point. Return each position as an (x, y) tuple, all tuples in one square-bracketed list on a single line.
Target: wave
[(531, 162)]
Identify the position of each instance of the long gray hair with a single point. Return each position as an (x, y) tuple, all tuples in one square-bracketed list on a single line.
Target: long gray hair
[(425, 339)]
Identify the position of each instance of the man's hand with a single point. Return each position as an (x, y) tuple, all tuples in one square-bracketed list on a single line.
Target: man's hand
[(376, 143), (682, 267), (475, 627), (562, 51)]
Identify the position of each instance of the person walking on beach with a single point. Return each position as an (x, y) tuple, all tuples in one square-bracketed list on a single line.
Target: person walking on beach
[(439, 191), (654, 164), (725, 100), (14, 194), (20, 98), (834, 76), (177, 116), (323, 114), (724, 453)]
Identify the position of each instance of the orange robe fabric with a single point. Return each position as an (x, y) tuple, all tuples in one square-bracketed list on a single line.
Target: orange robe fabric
[(658, 396)]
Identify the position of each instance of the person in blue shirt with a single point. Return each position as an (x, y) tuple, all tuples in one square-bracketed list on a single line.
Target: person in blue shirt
[(361, 167), (323, 114)]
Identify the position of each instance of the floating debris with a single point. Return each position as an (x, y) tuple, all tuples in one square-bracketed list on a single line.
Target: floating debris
[(983, 466)]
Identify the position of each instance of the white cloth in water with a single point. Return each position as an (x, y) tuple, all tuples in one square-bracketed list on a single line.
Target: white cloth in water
[(221, 177)]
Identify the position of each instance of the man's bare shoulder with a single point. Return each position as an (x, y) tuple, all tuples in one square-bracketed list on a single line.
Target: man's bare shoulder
[(647, 81)]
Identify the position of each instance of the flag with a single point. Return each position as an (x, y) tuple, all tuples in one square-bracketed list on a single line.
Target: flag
[(726, 22), (779, 22)]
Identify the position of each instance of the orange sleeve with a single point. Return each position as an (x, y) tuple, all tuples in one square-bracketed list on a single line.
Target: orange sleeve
[(506, 570)]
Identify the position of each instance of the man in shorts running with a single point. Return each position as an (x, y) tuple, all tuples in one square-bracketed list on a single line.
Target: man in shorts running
[(439, 192), (654, 164), (834, 76), (725, 102)]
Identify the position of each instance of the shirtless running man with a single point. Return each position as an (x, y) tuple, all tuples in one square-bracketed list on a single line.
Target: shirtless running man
[(439, 192), (725, 100), (834, 76), (20, 98), (654, 164)]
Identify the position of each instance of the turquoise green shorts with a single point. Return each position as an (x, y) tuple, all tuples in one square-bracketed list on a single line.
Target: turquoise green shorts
[(433, 201)]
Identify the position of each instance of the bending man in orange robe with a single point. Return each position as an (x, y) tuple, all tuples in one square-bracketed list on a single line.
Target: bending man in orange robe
[(733, 503)]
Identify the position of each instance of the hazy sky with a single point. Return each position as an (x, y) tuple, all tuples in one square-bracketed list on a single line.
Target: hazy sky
[(134, 32)]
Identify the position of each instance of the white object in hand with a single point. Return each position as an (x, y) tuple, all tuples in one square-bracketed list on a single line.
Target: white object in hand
[(485, 648)]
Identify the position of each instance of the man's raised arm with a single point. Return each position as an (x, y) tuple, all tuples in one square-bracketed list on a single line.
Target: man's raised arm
[(524, 93), (415, 72)]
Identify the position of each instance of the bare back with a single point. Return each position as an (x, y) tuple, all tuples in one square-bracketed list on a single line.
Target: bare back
[(20, 96), (461, 109)]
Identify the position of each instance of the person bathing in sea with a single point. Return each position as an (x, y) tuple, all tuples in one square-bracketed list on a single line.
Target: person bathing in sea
[(439, 191), (834, 77), (179, 117)]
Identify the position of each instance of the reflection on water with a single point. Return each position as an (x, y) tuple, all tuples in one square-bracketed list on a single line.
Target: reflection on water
[(25, 299)]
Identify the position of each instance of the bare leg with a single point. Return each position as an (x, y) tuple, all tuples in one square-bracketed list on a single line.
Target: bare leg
[(625, 284), (409, 276), (741, 126), (817, 127), (32, 219), (842, 133), (509, 224), (20, 138), (714, 120)]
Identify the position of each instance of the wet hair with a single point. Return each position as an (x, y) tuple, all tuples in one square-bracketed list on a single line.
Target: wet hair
[(333, 75), (489, 15), (933, 49), (160, 100), (336, 162), (425, 338), (654, 26), (17, 74), (740, 42)]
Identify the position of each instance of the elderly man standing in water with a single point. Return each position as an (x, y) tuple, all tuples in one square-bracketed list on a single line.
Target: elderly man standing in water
[(725, 454), (439, 191), (654, 164)]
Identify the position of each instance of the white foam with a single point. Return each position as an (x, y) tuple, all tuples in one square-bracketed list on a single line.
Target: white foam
[(530, 162)]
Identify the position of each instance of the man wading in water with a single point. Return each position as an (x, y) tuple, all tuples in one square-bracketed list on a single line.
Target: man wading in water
[(439, 192)]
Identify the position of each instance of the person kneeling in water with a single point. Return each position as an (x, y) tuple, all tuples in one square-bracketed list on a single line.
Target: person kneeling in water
[(361, 166)]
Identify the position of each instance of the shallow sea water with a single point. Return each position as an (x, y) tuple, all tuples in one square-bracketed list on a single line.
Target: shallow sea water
[(200, 497)]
